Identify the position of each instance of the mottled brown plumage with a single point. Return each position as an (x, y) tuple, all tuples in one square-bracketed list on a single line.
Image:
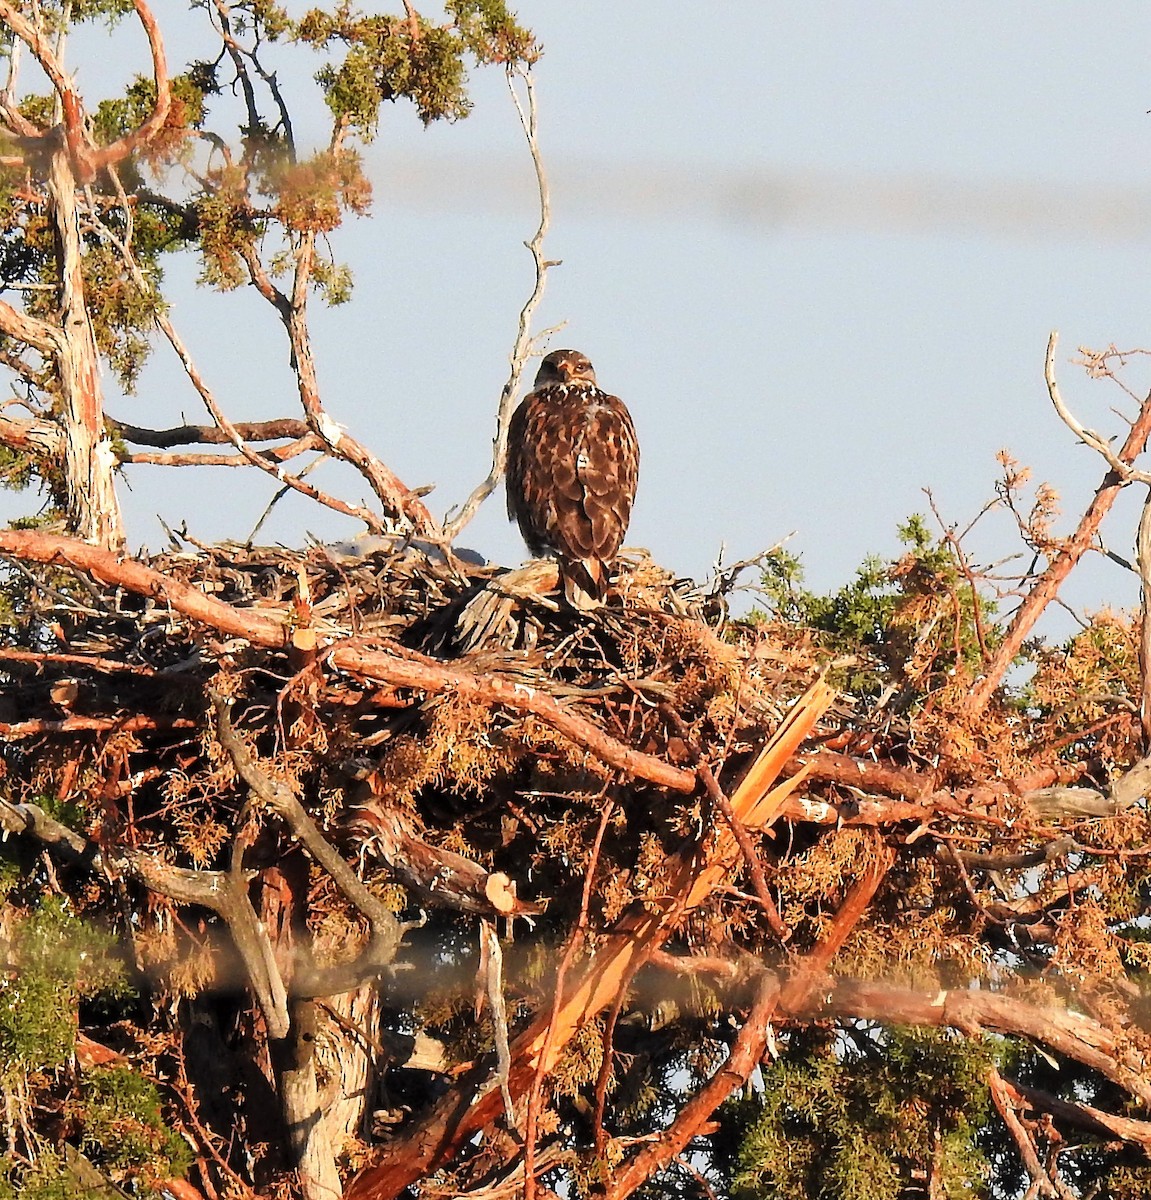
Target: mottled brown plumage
[(573, 463)]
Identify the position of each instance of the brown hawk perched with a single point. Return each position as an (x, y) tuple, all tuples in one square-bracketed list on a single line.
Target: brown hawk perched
[(573, 463)]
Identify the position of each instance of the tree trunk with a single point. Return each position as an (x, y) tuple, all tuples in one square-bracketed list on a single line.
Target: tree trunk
[(93, 509)]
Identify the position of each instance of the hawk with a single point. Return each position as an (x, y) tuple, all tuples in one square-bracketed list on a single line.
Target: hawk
[(573, 463)]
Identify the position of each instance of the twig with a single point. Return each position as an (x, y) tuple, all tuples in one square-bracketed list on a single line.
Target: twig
[(521, 350)]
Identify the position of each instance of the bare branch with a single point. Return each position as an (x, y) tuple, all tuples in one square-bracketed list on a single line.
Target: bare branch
[(212, 435), (1088, 437), (746, 1051), (230, 431), (1047, 585), (521, 350), (396, 498)]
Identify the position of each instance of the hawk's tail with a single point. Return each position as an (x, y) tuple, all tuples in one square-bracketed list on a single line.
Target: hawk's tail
[(585, 582)]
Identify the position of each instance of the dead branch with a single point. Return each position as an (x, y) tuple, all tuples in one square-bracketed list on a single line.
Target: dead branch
[(1082, 1116), (281, 800), (521, 350), (696, 964), (159, 458), (39, 658), (110, 568), (1143, 559), (34, 435), (230, 431), (438, 877), (136, 724), (868, 776), (397, 500), (1047, 585), (805, 980), (85, 157), (223, 892), (1053, 851), (1124, 792), (575, 944), (107, 156), (430, 676), (212, 435)]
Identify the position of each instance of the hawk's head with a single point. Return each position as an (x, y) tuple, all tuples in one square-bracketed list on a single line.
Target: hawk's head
[(565, 366)]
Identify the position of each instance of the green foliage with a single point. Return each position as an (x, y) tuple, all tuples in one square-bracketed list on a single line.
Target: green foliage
[(855, 1121), (123, 1125), (50, 1178), (909, 613), (491, 33), (389, 58), (54, 960)]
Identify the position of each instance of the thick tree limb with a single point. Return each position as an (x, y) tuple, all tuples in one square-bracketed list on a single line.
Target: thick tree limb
[(212, 435), (110, 568), (438, 877), (429, 676), (974, 1011)]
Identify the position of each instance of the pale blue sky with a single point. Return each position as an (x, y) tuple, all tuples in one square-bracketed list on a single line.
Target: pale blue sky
[(816, 248)]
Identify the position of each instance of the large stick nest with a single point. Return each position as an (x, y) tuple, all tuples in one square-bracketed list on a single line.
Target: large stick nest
[(108, 701)]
